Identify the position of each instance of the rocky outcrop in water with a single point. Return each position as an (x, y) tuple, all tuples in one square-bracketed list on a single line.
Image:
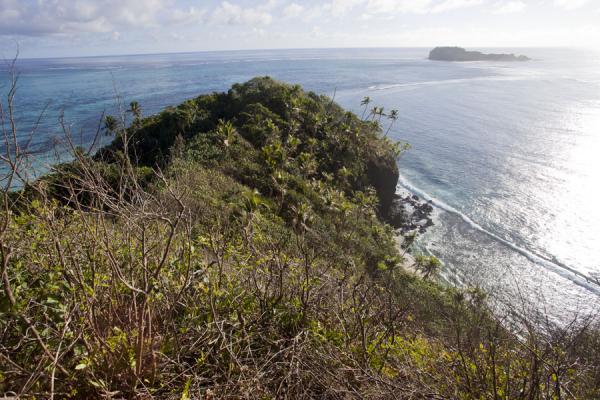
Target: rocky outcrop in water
[(410, 214)]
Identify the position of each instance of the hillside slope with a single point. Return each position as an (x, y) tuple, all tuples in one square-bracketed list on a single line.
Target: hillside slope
[(234, 247)]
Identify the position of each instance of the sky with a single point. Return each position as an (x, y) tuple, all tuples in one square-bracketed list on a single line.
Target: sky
[(59, 28)]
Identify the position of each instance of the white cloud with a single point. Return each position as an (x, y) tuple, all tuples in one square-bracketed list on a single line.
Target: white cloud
[(342, 6), (29, 17), (331, 9), (450, 5), (189, 16), (9, 10), (293, 10), (269, 5), (70, 17), (118, 26), (405, 6), (232, 14), (418, 6), (571, 4), (510, 7)]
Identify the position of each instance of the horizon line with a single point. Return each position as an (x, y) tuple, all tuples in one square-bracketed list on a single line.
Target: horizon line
[(294, 48)]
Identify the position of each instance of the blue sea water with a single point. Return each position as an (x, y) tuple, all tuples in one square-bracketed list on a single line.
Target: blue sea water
[(509, 153)]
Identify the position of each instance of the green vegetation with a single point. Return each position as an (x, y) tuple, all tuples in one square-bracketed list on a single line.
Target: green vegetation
[(234, 247)]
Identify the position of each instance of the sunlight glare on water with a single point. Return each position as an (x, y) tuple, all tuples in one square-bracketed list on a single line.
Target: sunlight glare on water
[(575, 229)]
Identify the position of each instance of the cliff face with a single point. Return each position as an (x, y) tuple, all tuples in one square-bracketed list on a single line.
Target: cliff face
[(383, 175), (460, 54)]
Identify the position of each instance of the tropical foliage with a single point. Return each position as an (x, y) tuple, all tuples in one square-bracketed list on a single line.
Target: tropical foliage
[(234, 247)]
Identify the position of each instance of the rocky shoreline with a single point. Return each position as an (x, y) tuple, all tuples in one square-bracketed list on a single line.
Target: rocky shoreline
[(410, 214)]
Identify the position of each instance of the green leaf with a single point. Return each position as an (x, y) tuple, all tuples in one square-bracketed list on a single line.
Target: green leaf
[(185, 394), (80, 366)]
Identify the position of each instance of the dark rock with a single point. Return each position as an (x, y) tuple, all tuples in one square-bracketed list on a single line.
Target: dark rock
[(409, 214), (459, 54), (383, 175), (397, 220), (427, 208)]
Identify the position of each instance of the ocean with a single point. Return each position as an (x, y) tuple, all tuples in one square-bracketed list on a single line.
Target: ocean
[(509, 153)]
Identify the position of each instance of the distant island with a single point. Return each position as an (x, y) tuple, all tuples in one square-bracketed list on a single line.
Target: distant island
[(460, 54)]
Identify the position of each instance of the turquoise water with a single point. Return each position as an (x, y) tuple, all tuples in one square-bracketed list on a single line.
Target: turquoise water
[(508, 152)]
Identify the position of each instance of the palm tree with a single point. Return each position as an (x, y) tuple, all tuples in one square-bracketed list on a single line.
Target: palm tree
[(365, 102), (110, 125), (408, 241), (429, 266), (373, 112), (377, 112), (136, 110), (227, 131), (393, 116), (252, 201), (184, 117)]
